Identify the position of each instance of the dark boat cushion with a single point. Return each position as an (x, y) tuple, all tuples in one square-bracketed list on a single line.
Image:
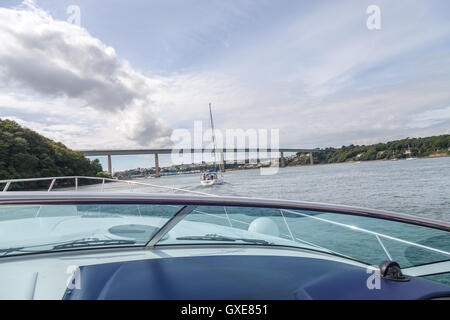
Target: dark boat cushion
[(241, 277)]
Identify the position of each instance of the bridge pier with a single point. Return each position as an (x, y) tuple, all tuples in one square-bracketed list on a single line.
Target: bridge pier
[(156, 166), (311, 161), (113, 152), (222, 163), (109, 165)]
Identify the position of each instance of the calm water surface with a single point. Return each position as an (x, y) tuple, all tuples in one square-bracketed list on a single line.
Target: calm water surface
[(419, 187)]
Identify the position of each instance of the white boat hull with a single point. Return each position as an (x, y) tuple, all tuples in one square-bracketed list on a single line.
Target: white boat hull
[(211, 182)]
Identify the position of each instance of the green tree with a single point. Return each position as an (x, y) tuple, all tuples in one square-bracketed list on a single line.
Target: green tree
[(27, 154)]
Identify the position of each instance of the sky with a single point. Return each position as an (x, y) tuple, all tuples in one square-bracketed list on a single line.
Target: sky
[(134, 72)]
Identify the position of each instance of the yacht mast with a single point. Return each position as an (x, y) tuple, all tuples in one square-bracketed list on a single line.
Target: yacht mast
[(213, 135)]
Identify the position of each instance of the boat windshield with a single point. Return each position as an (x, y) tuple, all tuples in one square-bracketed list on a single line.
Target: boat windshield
[(41, 228), (26, 229), (365, 239)]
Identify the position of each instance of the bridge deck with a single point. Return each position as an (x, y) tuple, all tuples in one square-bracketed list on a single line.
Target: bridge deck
[(116, 152), (156, 152)]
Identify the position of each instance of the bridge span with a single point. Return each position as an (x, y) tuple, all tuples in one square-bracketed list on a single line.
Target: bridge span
[(122, 152)]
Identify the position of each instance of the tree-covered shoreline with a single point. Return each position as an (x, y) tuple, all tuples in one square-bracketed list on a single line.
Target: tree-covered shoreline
[(26, 154), (398, 149)]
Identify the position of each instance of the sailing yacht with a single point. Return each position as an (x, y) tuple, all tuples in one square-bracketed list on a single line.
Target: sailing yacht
[(212, 177), (393, 156), (410, 156)]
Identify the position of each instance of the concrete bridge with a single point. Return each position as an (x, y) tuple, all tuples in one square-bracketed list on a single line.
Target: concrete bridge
[(111, 152)]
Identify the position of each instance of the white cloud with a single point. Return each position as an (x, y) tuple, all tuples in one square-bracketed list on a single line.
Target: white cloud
[(319, 76), (63, 65), (430, 118), (325, 79)]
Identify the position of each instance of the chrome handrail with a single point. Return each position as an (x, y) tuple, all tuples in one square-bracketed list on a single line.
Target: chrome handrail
[(376, 234), (103, 180), (36, 197)]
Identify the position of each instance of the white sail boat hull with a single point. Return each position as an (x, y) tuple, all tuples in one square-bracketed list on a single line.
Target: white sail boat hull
[(219, 180)]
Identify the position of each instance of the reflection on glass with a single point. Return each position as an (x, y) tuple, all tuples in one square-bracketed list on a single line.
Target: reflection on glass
[(32, 229)]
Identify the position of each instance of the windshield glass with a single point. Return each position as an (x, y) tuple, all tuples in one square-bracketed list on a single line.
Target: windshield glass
[(34, 228), (30, 228), (364, 239)]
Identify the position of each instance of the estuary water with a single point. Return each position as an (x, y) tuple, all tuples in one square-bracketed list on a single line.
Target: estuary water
[(419, 187)]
